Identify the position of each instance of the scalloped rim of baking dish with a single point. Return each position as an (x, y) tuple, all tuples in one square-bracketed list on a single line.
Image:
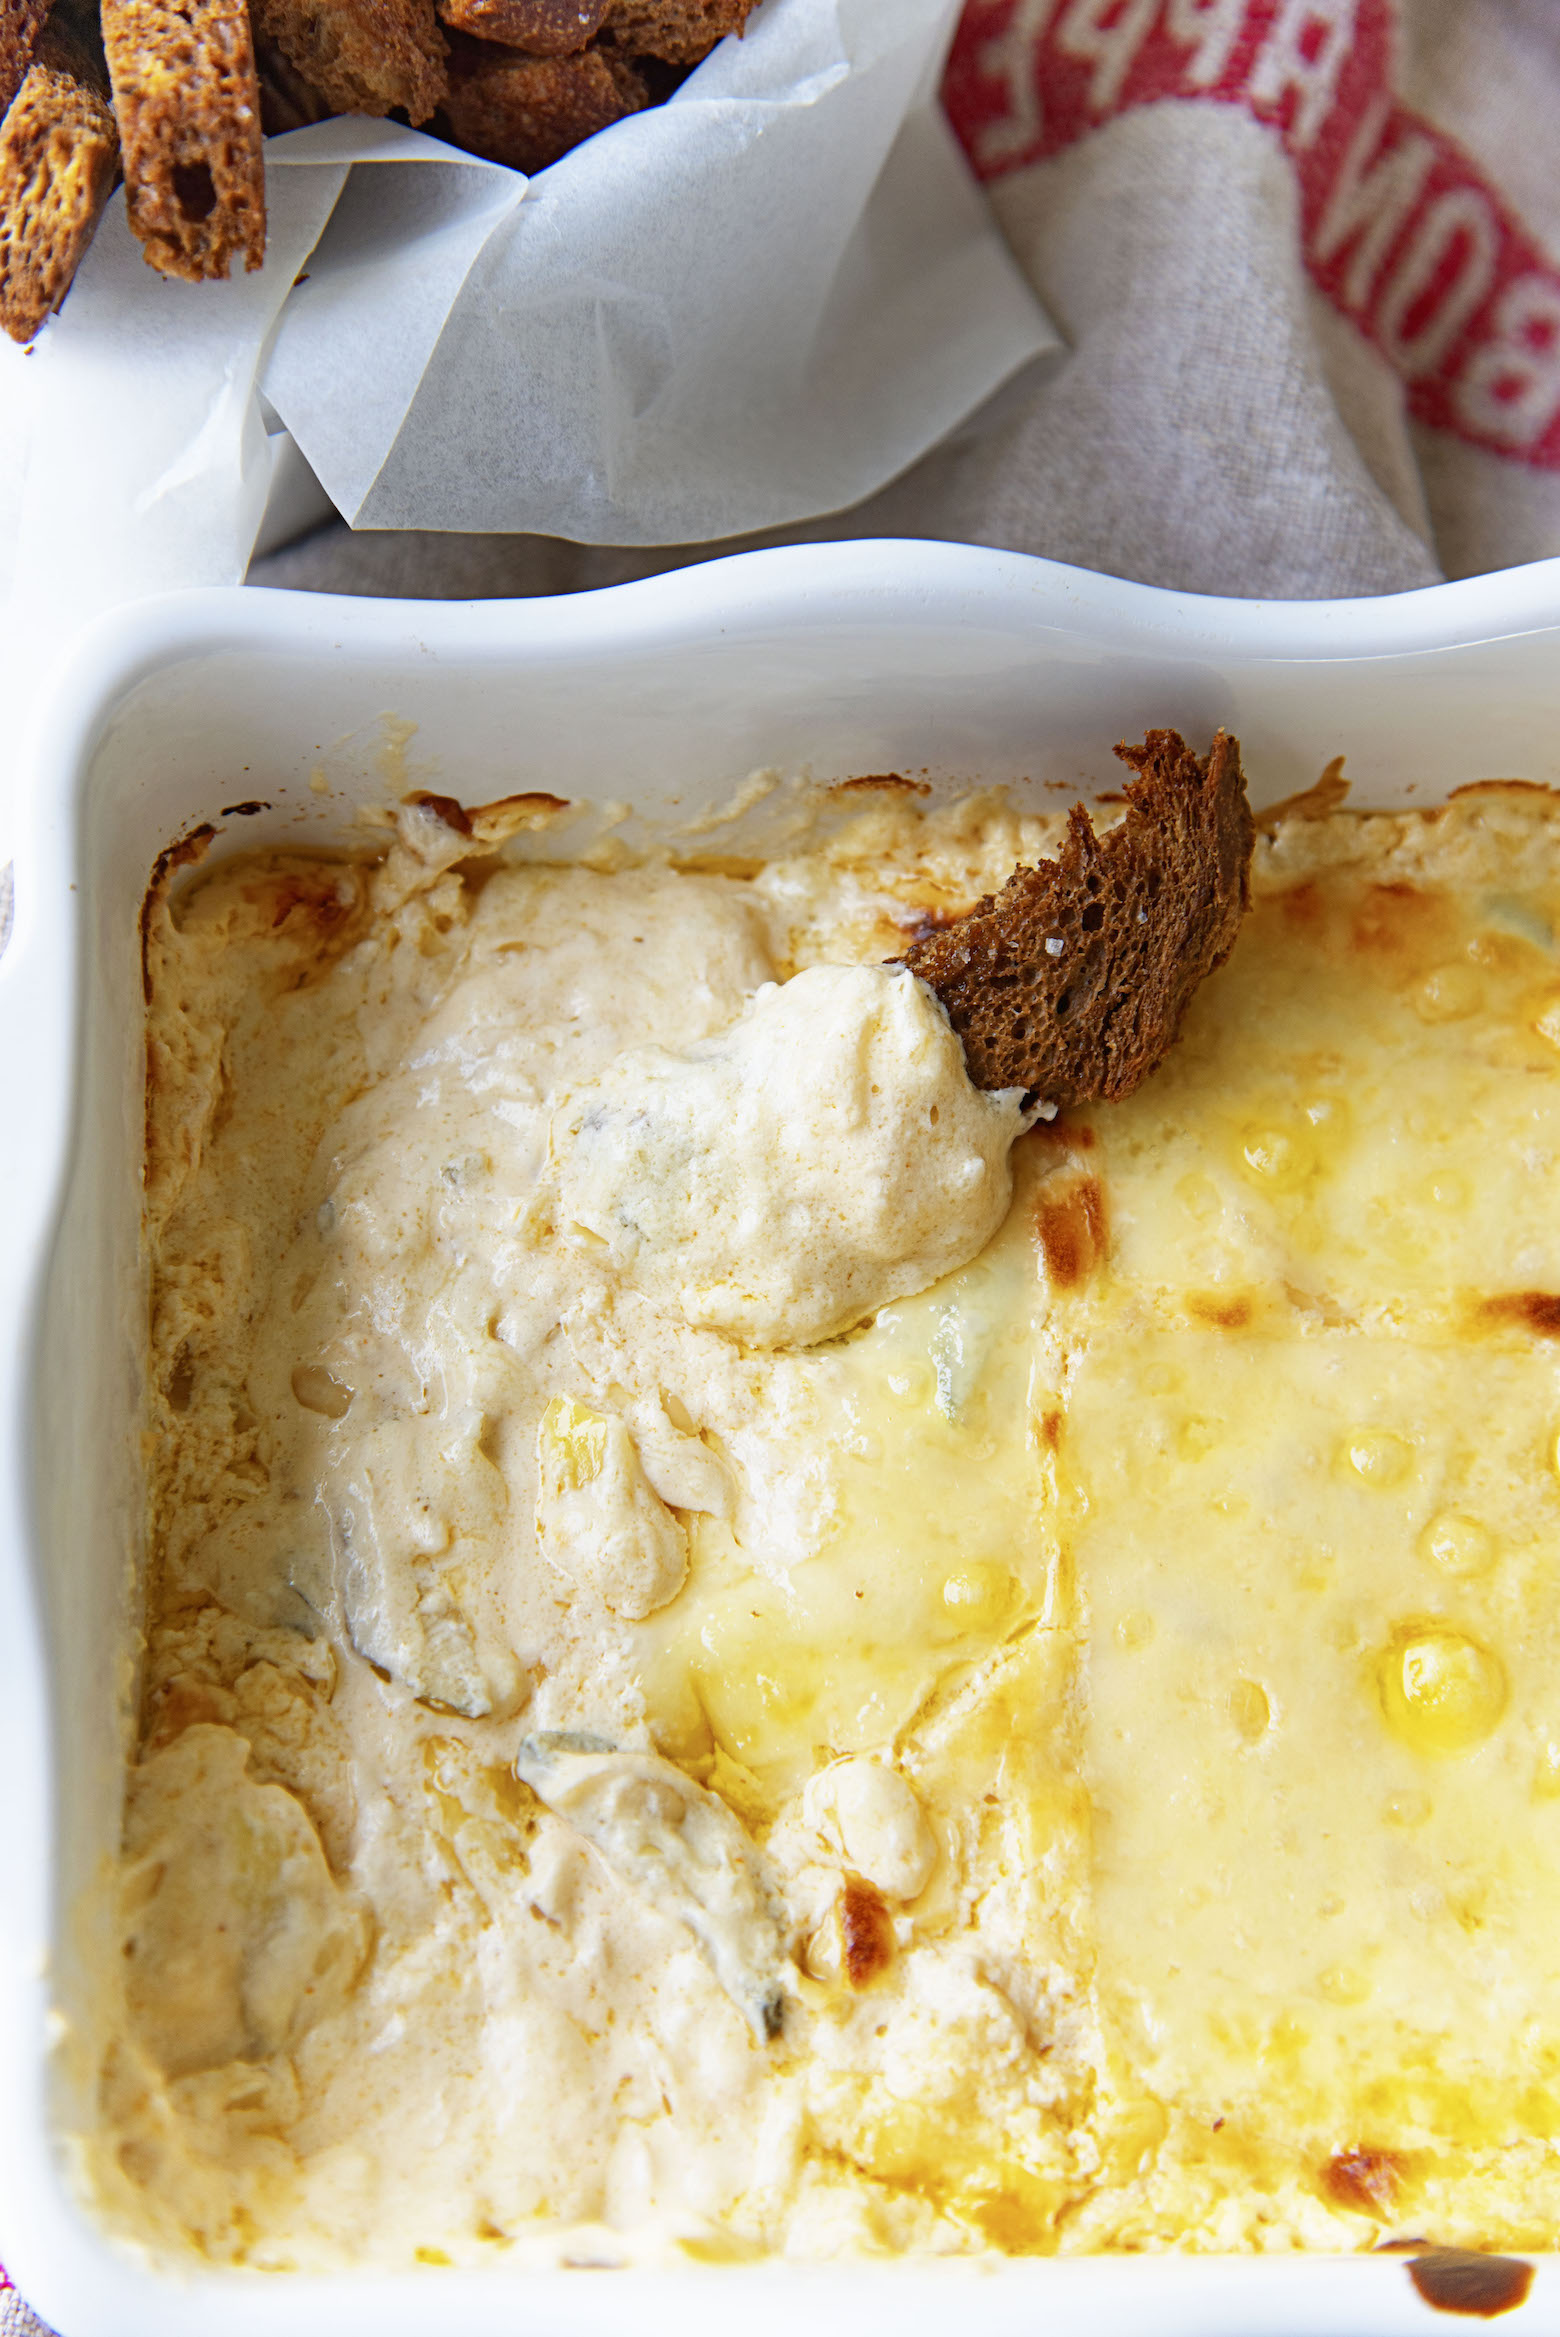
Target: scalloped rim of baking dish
[(843, 657)]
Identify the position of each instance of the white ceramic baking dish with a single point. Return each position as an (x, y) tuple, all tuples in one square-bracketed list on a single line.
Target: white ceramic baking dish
[(841, 660)]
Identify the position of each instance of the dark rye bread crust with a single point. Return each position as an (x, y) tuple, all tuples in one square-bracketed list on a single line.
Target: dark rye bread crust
[(59, 150), (679, 32), (361, 56), (528, 111), (188, 104), (541, 28), (21, 21), (287, 102), (1143, 914)]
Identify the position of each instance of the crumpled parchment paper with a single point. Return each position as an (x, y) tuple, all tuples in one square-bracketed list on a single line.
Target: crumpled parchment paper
[(751, 305)]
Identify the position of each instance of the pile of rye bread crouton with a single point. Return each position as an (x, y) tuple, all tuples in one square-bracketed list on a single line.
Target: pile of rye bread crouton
[(176, 95)]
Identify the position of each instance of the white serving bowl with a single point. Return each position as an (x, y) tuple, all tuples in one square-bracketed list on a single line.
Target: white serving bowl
[(839, 660)]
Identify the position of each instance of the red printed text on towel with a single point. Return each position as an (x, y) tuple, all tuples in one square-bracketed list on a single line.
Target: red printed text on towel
[(1402, 229)]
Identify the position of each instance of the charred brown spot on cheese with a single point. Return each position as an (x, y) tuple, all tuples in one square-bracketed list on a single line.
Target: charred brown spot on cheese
[(326, 901), (184, 853), (1063, 1134), (740, 865), (1384, 909), (866, 1932), (1224, 1314), (881, 782), (534, 800), (183, 1702), (1073, 980), (443, 807), (180, 1387), (1051, 1430), (1302, 907), (247, 810), (1367, 2180), (486, 826), (1461, 2280), (1070, 1224), (916, 923), (1501, 787), (1537, 1311), (192, 846), (1399, 926)]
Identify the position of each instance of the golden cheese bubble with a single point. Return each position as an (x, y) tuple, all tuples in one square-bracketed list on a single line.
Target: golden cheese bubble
[(575, 1439), (1250, 1711), (1199, 1197), (1445, 1189), (1379, 1458), (1449, 994), (1327, 1119), (913, 1382), (1546, 1017), (1279, 1158), (1457, 1544), (318, 1390), (1344, 1984), (1440, 1690), (979, 1595)]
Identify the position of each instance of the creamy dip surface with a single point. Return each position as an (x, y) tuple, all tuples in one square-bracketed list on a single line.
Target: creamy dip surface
[(750, 1650)]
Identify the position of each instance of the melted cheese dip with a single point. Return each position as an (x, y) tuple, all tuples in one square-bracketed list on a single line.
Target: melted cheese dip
[(743, 1655)]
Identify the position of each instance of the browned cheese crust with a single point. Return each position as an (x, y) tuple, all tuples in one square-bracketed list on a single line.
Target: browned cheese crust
[(527, 111), (59, 150), (362, 56), (21, 21), (678, 31), (188, 105), (542, 28), (1142, 914)]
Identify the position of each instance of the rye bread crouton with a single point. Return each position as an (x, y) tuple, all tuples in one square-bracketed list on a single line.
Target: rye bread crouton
[(21, 21), (188, 104), (527, 111), (59, 151), (1072, 981), (286, 100), (680, 32), (541, 28), (362, 56)]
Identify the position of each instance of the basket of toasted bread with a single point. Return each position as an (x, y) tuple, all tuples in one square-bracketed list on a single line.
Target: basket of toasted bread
[(179, 95), (623, 272)]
